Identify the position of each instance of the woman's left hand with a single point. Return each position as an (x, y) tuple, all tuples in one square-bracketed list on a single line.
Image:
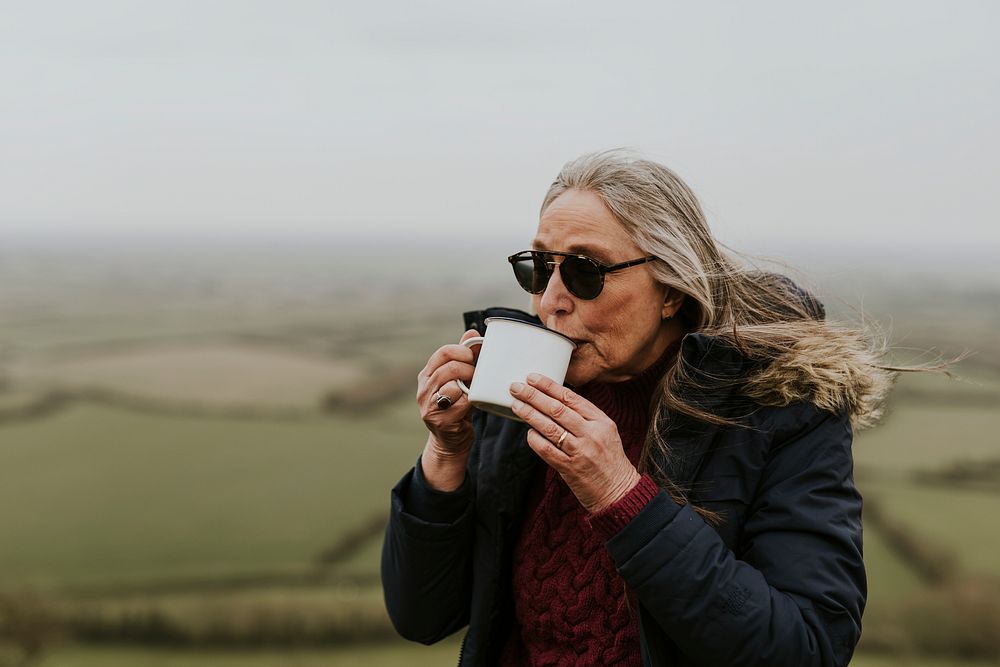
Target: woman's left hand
[(590, 457)]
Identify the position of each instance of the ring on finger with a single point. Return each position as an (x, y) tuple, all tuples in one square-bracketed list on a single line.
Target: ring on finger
[(442, 401), (562, 439)]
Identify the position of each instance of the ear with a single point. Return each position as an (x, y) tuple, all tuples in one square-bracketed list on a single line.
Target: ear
[(672, 303)]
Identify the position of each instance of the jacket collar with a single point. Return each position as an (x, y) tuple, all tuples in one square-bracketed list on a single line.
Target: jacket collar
[(714, 370)]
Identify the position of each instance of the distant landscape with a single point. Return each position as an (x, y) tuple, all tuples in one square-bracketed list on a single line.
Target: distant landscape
[(197, 445)]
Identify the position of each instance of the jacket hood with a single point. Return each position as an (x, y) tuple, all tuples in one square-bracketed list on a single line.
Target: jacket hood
[(834, 368)]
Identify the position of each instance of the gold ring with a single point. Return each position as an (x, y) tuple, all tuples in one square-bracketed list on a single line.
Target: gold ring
[(562, 438)]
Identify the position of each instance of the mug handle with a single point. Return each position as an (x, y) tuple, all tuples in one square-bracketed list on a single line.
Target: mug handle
[(469, 343)]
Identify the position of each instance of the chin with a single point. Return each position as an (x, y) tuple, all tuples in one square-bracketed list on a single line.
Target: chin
[(579, 374)]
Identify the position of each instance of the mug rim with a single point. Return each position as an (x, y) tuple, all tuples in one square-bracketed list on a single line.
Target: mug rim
[(530, 324)]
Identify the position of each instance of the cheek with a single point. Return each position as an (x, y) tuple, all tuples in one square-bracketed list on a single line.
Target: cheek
[(619, 332), (609, 327)]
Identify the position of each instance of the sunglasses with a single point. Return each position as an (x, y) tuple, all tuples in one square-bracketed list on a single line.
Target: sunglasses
[(583, 276)]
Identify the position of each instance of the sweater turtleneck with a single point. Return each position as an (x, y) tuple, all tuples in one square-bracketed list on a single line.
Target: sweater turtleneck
[(569, 601), (628, 403)]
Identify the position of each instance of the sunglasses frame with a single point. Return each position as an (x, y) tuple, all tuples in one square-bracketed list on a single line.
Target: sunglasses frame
[(547, 255)]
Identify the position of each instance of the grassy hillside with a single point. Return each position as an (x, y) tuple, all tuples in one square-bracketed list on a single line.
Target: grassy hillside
[(97, 494), (178, 514)]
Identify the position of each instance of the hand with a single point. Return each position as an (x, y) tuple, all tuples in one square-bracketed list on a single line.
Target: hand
[(590, 458), (451, 425)]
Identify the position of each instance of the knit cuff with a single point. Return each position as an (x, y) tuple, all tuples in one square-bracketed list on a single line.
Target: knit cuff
[(616, 516), (429, 504)]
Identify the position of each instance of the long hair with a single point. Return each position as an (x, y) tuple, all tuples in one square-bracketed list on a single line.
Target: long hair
[(766, 316)]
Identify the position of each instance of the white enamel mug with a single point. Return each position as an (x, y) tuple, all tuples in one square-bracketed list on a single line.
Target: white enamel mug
[(511, 350)]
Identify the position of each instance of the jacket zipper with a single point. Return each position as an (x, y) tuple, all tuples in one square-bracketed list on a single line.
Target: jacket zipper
[(461, 650)]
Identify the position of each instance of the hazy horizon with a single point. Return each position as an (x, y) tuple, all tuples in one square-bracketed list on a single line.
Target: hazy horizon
[(360, 260), (872, 126)]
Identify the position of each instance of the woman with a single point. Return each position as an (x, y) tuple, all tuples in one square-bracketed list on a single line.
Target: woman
[(686, 499)]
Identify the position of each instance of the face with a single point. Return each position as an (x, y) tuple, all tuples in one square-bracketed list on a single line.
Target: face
[(622, 331)]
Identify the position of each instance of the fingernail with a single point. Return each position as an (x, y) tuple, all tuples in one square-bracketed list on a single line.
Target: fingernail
[(517, 387), (516, 405), (534, 377)]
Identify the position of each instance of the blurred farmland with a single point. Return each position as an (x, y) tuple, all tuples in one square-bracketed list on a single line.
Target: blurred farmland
[(197, 443)]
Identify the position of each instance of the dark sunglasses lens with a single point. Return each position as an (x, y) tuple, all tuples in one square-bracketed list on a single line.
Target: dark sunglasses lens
[(532, 273), (582, 277)]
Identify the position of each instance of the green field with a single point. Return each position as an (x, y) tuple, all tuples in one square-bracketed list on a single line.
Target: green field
[(396, 653), (889, 578), (98, 494), (203, 499), (963, 521), (215, 524), (198, 496), (925, 436), (370, 656)]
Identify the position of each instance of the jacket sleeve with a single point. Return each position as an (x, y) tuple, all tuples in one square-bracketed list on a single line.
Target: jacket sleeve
[(796, 593), (426, 558)]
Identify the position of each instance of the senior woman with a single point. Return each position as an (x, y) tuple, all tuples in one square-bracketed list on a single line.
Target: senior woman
[(685, 499)]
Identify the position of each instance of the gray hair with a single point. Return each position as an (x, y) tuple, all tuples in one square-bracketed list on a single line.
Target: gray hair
[(662, 216)]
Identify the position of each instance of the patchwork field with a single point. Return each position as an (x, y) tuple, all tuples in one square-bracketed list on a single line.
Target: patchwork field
[(213, 464), (390, 655), (233, 374), (96, 494)]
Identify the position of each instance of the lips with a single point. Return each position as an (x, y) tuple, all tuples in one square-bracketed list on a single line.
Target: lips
[(578, 341)]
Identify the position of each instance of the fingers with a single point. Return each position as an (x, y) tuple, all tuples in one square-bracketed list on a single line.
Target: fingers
[(545, 413), (442, 356), (548, 452), (547, 427), (472, 333), (456, 352), (437, 380), (447, 396), (445, 354), (453, 370), (451, 390), (564, 395), (543, 425)]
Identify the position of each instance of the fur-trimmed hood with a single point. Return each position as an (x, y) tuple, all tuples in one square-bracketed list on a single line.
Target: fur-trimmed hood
[(827, 366)]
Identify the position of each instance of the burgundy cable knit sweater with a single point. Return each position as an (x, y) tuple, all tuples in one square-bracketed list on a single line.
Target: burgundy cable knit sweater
[(569, 602)]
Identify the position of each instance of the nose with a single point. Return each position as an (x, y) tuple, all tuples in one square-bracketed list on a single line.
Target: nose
[(556, 299)]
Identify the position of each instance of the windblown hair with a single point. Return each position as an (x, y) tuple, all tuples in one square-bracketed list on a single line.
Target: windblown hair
[(798, 355)]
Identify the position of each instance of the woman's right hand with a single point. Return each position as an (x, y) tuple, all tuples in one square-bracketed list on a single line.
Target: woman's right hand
[(450, 427)]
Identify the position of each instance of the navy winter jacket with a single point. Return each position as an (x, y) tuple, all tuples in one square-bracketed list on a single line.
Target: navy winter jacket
[(780, 582)]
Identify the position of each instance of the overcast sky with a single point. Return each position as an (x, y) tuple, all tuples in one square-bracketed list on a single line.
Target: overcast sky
[(795, 122)]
